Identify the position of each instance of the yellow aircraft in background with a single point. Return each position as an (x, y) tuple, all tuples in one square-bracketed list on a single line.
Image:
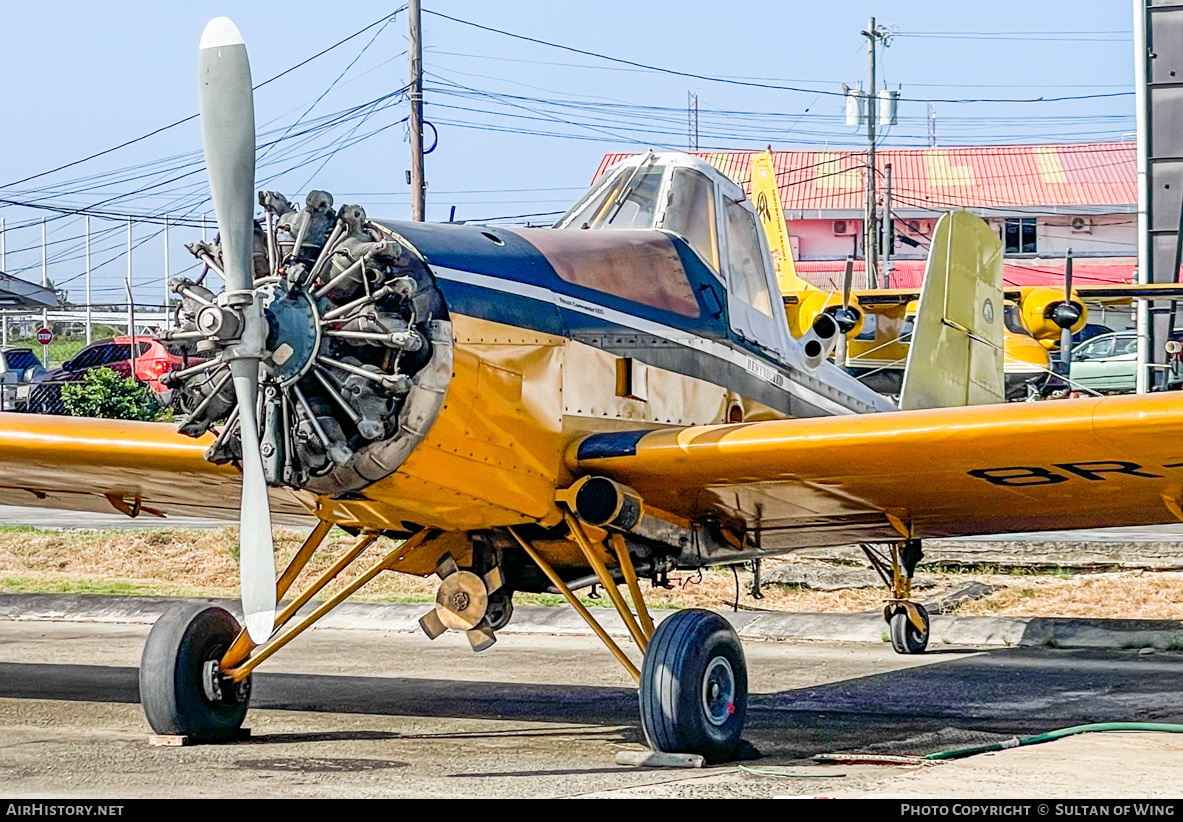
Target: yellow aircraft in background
[(878, 323), (546, 409)]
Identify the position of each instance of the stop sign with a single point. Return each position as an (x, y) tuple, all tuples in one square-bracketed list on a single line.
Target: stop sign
[(44, 336)]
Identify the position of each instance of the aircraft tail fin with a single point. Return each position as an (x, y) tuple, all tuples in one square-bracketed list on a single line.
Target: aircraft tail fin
[(956, 352), (766, 198)]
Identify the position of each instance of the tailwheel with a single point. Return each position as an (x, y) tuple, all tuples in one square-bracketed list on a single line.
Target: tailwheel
[(182, 689), (694, 686), (908, 625), (907, 621)]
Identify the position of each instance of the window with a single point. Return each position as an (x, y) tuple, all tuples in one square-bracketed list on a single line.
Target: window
[(100, 355), (749, 280), (638, 203), (628, 201), (868, 332), (691, 213), (1013, 321), (20, 360), (1125, 345), (1095, 349), (582, 216), (1019, 235), (909, 327)]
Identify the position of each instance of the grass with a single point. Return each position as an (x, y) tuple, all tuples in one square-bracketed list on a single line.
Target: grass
[(190, 562)]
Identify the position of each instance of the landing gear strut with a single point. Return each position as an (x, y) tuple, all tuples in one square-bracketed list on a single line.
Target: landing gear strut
[(693, 680), (908, 622)]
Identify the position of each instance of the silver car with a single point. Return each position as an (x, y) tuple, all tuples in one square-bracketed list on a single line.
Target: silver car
[(18, 368)]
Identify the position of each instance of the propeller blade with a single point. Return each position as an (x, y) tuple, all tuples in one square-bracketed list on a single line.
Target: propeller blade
[(228, 135), (1066, 333), (847, 282), (256, 547), (1068, 276)]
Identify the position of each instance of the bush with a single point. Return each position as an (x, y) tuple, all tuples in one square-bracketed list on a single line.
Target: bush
[(104, 393)]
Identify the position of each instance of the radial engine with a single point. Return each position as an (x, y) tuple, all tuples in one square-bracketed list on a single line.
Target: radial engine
[(357, 357)]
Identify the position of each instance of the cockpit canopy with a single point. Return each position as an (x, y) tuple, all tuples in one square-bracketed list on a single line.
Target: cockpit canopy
[(687, 196)]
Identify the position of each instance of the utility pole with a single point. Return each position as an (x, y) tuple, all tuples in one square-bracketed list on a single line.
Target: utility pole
[(166, 272), (871, 216), (888, 226), (932, 125), (418, 186), (89, 318), (44, 284), (1142, 119), (692, 120), (131, 308)]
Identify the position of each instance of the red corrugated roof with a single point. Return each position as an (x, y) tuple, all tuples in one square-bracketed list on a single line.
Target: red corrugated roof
[(910, 273), (1083, 174)]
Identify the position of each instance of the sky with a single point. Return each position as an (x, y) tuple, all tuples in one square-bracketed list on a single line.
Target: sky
[(521, 125)]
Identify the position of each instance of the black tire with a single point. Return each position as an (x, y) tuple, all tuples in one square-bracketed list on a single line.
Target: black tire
[(905, 637), (171, 671), (694, 686), (500, 609)]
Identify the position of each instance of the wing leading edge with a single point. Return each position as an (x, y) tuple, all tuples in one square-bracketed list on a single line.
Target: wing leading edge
[(113, 465), (1115, 461)]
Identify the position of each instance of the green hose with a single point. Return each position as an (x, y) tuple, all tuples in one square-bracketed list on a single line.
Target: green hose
[(1050, 735)]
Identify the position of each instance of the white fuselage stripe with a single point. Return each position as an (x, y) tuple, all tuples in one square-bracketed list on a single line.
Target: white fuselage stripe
[(758, 369)]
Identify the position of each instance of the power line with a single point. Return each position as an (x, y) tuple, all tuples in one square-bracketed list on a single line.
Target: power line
[(195, 115), (755, 84)]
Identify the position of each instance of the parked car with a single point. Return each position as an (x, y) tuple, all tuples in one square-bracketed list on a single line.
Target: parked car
[(152, 361), (1088, 331), (19, 367), (1108, 363)]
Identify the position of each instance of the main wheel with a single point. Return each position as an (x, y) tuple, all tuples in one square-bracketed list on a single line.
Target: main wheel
[(694, 686), (906, 638), (179, 692)]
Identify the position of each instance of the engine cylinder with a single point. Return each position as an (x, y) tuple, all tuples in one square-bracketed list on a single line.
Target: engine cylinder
[(358, 354)]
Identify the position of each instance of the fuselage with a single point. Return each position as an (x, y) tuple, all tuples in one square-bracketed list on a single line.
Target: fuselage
[(560, 334)]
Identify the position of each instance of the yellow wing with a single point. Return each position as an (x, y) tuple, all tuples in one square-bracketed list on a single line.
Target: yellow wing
[(139, 468), (1124, 294), (931, 473)]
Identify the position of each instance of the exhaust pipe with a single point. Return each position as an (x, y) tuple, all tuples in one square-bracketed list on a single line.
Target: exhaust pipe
[(605, 503), (820, 340)]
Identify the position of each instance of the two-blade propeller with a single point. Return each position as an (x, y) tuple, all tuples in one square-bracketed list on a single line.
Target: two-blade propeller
[(1067, 314), (228, 135)]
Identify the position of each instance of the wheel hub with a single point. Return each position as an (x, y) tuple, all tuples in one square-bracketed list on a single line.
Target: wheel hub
[(718, 691)]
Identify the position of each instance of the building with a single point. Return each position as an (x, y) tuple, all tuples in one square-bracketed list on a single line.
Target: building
[(1042, 200), (18, 293)]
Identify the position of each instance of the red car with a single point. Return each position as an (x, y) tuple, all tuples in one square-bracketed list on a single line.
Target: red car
[(152, 361)]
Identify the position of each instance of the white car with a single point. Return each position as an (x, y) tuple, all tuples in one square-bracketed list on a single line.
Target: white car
[(18, 368)]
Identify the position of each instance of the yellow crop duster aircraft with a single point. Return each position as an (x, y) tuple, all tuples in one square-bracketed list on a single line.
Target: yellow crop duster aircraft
[(877, 324), (544, 409)]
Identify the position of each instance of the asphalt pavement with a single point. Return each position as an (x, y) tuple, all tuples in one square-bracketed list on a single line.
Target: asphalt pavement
[(373, 713)]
